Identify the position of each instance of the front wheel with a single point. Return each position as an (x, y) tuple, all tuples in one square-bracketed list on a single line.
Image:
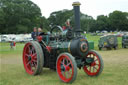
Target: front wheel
[(96, 67), (33, 58), (66, 68)]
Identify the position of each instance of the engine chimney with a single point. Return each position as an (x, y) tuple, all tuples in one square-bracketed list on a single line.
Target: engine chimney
[(76, 7)]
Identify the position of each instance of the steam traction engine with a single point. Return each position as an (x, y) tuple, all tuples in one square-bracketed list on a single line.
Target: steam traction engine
[(63, 52)]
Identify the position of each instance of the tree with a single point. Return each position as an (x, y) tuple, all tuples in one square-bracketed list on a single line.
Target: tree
[(86, 22), (102, 23), (118, 20), (18, 16), (60, 17), (44, 23)]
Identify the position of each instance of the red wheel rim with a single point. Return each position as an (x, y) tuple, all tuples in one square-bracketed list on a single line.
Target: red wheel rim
[(65, 68), (29, 58), (94, 67)]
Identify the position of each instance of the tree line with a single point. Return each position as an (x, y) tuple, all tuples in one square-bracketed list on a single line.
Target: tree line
[(20, 16)]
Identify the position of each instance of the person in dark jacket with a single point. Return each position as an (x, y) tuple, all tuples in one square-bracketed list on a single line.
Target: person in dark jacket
[(34, 33)]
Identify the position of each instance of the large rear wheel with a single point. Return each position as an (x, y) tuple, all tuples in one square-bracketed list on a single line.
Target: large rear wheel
[(33, 58), (96, 67), (66, 68)]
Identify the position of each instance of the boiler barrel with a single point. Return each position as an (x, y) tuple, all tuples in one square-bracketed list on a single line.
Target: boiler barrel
[(76, 47)]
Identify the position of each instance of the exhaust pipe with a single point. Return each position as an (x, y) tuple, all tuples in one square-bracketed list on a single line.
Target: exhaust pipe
[(76, 7)]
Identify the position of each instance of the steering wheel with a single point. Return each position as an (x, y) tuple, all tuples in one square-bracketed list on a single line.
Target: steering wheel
[(57, 29)]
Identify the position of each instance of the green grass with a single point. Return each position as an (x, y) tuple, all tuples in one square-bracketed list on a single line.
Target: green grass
[(6, 49), (12, 71)]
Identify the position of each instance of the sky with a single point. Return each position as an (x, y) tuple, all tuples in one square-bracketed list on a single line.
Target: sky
[(89, 7)]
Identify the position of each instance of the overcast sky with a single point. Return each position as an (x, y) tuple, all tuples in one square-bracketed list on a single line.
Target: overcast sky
[(89, 7)]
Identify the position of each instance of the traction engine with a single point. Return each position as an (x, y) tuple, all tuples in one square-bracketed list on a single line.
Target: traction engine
[(63, 51)]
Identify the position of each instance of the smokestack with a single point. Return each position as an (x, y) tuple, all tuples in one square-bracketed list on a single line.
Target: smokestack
[(76, 7)]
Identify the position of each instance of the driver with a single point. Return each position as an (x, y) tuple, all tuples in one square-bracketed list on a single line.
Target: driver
[(40, 32)]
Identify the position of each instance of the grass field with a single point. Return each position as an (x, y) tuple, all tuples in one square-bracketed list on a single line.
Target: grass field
[(12, 71)]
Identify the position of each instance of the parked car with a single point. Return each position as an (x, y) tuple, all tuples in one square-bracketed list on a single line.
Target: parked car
[(104, 31), (124, 41), (108, 41), (5, 38), (27, 39), (119, 34)]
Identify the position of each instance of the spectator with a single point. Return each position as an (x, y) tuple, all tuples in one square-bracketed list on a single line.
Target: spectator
[(11, 45), (34, 33), (14, 45)]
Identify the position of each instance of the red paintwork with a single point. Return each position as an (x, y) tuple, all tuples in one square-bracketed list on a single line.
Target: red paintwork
[(14, 43), (29, 65), (92, 70), (39, 38), (48, 48), (67, 74), (64, 28)]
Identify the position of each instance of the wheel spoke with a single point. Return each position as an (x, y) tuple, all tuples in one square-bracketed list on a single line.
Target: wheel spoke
[(68, 64), (95, 60), (66, 60), (34, 55), (35, 64), (33, 49), (63, 61), (28, 63), (29, 50), (27, 55), (97, 64), (31, 69), (32, 65), (95, 67), (66, 72), (90, 68), (89, 55), (34, 60), (94, 57), (69, 73)]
